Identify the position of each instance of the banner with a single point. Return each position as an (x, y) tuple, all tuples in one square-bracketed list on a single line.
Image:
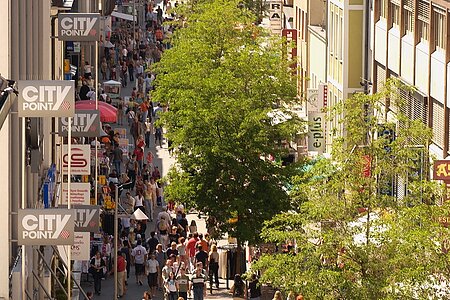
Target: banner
[(81, 159), (46, 98), (84, 123), (316, 132), (79, 27), (81, 246), (46, 227), (80, 193)]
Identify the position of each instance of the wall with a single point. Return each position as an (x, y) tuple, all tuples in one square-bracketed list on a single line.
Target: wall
[(318, 56), (5, 67)]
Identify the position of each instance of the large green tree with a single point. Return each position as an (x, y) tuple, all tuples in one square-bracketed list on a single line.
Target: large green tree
[(227, 83), (358, 234)]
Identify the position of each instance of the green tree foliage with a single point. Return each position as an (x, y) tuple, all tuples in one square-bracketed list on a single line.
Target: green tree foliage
[(226, 84), (355, 238)]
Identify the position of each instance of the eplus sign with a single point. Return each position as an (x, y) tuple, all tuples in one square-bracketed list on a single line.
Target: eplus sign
[(46, 227), (79, 27), (46, 98)]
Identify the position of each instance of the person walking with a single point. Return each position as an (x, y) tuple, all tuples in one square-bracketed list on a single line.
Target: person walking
[(121, 268), (171, 287), (183, 283), (126, 251), (152, 270), (139, 256), (198, 283), (117, 159), (132, 168), (254, 288), (213, 259), (96, 269)]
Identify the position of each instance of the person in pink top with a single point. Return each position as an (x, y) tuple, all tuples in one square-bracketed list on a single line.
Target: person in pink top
[(190, 247)]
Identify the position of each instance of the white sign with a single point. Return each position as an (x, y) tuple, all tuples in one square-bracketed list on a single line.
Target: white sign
[(317, 98), (81, 159), (80, 193), (275, 13), (81, 246), (45, 227), (46, 98), (316, 132)]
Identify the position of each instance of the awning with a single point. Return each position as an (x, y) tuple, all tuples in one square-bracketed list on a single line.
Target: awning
[(122, 16)]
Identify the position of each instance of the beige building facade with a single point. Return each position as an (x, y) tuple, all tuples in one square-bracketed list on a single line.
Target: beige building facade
[(411, 43)]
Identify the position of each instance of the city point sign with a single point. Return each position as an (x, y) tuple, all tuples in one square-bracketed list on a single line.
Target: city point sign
[(79, 27), (46, 226), (84, 123), (46, 98)]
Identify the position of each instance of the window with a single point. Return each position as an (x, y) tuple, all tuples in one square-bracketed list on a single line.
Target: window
[(424, 31), (408, 21), (423, 20), (340, 35), (395, 15), (383, 9), (331, 33), (438, 24)]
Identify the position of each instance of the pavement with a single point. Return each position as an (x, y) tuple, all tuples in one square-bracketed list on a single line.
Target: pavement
[(164, 161)]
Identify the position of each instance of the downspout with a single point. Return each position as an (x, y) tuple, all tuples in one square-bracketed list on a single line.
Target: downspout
[(366, 34)]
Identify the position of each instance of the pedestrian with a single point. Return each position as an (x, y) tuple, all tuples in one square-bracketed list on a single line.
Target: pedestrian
[(152, 271), (147, 296), (139, 152), (201, 256), (198, 283), (277, 296), (104, 164), (182, 283), (124, 73), (87, 70), (139, 203), (117, 159), (104, 67), (96, 269), (139, 256), (161, 258), (213, 259), (172, 250), (158, 136), (190, 247), (254, 288), (193, 227), (131, 69), (152, 242), (121, 269), (132, 168), (127, 252), (119, 111), (171, 287), (238, 286)]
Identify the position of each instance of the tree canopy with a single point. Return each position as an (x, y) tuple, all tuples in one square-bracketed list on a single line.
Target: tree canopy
[(367, 224), (226, 83)]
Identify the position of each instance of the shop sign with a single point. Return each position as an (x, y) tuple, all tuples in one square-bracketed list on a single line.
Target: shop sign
[(316, 132), (84, 123), (81, 246), (80, 159), (46, 98), (441, 170), (80, 193), (87, 218), (46, 227), (79, 27)]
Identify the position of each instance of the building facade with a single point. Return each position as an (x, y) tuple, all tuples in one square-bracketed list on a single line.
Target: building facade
[(410, 42)]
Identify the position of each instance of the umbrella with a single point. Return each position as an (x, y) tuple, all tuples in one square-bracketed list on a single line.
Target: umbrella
[(108, 44), (139, 215), (108, 113)]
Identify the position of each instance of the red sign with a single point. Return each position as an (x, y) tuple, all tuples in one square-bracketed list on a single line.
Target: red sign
[(291, 38), (441, 170)]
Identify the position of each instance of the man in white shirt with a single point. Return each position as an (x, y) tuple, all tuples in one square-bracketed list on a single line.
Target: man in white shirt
[(139, 257)]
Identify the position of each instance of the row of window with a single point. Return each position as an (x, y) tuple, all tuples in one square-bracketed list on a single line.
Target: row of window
[(392, 9)]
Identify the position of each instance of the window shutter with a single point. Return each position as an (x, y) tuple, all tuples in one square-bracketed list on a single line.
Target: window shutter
[(423, 11), (438, 123)]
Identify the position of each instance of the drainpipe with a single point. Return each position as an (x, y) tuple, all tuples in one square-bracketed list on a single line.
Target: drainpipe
[(366, 34)]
